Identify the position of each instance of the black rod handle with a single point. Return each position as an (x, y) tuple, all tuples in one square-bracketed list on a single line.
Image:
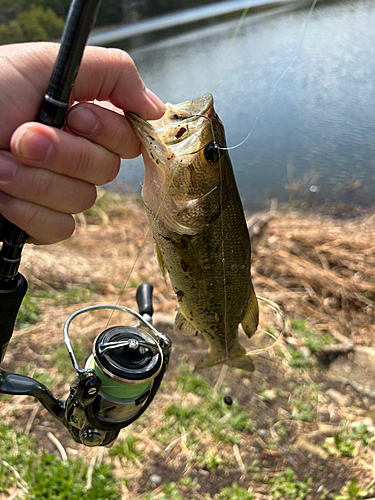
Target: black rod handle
[(10, 302)]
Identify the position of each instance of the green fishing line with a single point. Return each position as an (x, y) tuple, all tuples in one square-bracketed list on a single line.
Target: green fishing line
[(116, 389)]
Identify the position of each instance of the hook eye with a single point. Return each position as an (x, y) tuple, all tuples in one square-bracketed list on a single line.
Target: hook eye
[(212, 152)]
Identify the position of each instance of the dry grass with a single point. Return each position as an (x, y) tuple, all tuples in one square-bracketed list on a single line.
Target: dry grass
[(317, 268), (322, 269)]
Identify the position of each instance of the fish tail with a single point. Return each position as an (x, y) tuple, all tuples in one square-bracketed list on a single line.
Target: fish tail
[(236, 358)]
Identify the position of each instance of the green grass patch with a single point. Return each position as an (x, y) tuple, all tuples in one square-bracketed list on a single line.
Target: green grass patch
[(286, 486), (211, 415), (210, 461), (344, 442), (300, 360), (127, 449), (47, 476), (351, 491), (235, 492), (310, 338), (29, 312), (41, 376), (305, 402)]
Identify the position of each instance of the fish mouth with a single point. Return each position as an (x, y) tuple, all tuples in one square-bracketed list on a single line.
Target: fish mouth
[(178, 131)]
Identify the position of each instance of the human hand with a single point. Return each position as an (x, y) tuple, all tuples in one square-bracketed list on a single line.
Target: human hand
[(46, 174)]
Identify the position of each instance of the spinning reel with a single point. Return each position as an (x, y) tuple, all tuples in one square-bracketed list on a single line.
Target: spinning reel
[(119, 381)]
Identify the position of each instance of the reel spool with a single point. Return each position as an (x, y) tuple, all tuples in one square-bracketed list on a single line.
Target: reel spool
[(127, 360)]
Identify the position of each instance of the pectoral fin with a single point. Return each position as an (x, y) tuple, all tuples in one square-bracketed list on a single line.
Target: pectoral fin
[(250, 320), (160, 261), (181, 325)]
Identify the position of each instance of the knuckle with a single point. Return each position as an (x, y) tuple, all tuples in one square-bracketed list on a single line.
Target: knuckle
[(118, 55), (124, 60), (81, 161), (42, 183), (30, 216)]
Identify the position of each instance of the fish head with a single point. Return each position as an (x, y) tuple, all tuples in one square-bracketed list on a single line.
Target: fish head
[(183, 163)]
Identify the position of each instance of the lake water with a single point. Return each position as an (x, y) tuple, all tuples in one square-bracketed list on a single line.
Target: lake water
[(307, 90)]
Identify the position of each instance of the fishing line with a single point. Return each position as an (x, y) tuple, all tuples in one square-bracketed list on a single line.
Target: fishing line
[(312, 7), (223, 254), (239, 24), (141, 247), (226, 53), (154, 220)]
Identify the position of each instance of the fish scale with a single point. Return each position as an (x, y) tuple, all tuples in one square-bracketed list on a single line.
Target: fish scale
[(200, 232)]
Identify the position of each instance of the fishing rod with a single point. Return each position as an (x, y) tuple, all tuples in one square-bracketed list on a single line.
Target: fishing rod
[(127, 365), (53, 110)]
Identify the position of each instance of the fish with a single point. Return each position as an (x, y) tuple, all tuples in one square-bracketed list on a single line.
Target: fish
[(199, 227)]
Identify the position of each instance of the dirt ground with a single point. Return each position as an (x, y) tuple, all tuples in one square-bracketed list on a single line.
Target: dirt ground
[(317, 268)]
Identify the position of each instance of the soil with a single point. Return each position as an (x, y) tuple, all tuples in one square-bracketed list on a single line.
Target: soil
[(315, 267)]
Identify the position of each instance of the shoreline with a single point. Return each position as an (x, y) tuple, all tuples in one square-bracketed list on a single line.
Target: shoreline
[(189, 16)]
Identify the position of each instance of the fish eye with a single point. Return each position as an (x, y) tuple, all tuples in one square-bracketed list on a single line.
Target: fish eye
[(212, 152)]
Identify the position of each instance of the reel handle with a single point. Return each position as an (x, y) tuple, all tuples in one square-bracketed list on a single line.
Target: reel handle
[(144, 299)]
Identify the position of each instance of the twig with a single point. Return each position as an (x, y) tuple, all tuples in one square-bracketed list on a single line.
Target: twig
[(237, 454), (58, 445), (221, 377), (21, 483), (90, 471), (31, 419)]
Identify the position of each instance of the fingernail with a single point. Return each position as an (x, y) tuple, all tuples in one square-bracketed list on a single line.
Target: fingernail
[(155, 100), (83, 121), (7, 168), (4, 198), (33, 146)]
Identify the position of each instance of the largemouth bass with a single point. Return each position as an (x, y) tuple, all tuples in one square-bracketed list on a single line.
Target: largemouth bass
[(199, 228)]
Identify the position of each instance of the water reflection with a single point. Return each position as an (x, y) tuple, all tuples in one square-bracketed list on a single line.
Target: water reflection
[(318, 122)]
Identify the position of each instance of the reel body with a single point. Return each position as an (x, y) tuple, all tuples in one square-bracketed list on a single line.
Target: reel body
[(119, 381)]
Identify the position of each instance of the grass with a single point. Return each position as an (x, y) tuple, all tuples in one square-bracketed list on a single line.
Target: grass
[(61, 359), (311, 341), (43, 377), (305, 402), (344, 442), (286, 486), (30, 312), (43, 475), (310, 338), (210, 415), (235, 492), (127, 449), (351, 491)]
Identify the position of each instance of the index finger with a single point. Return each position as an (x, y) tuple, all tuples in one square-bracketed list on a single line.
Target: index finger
[(104, 74), (110, 74)]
